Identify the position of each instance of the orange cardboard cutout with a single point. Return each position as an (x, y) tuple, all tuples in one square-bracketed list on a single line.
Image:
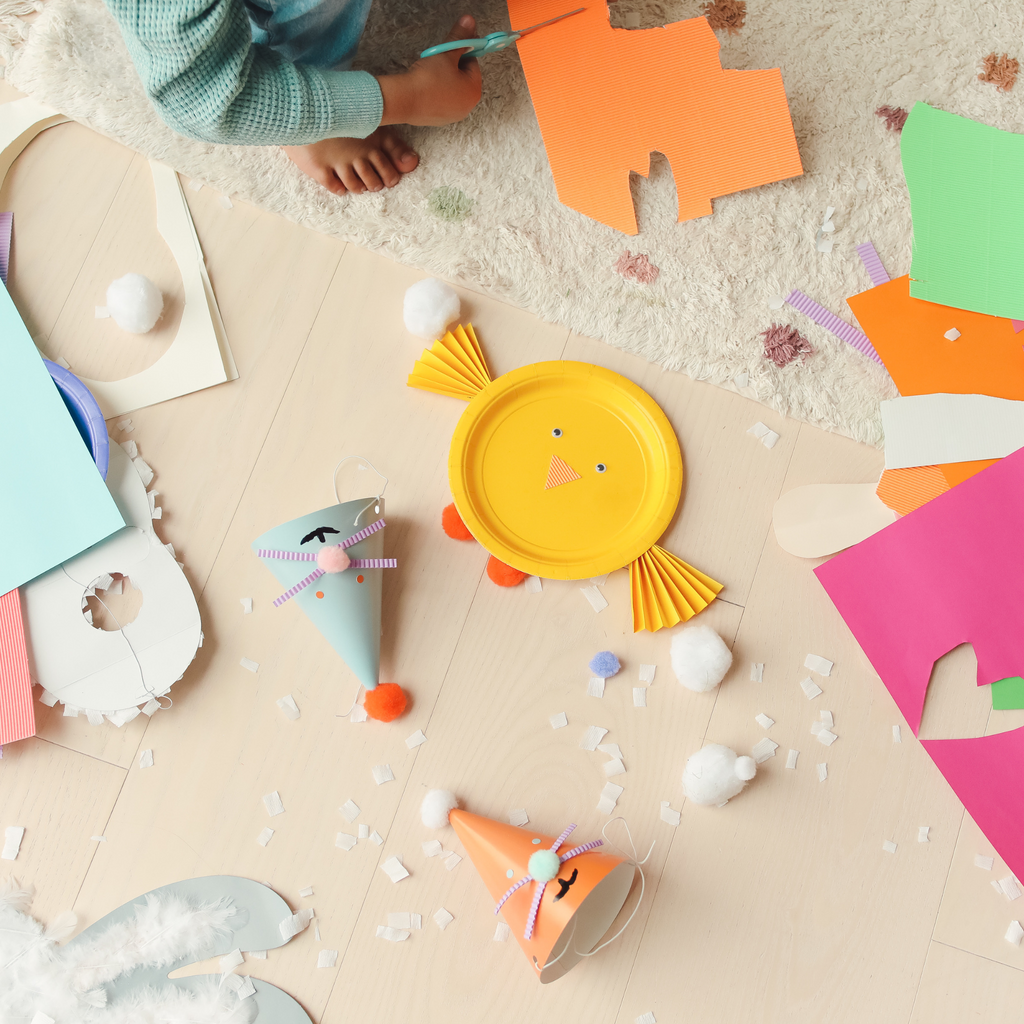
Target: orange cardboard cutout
[(908, 334), (607, 97), (566, 928), (903, 490)]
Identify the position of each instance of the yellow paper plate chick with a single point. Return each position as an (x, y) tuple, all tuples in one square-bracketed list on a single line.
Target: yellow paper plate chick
[(565, 470)]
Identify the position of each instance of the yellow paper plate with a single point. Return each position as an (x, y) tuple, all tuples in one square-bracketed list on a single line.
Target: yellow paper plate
[(565, 470)]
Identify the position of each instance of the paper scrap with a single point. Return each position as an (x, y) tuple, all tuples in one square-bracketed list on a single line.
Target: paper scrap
[(996, 886), (611, 749), (639, 696), (764, 434), (595, 687), (358, 714), (126, 424), (985, 863), (559, 721), (345, 841), (777, 302), (394, 869), (818, 664), (13, 836), (823, 237), (131, 449), (288, 706), (518, 817), (442, 918), (595, 597), (295, 923), (1014, 933), (896, 736), (742, 380), (827, 737), (98, 839), (1009, 887), (764, 721), (889, 846), (327, 958), (533, 585), (872, 264), (811, 688), (647, 673), (225, 201), (609, 795), (316, 931), (392, 934), (382, 773), (307, 891), (265, 836), (230, 961), (791, 758), (349, 810), (432, 847), (102, 313), (246, 605), (952, 334), (592, 737), (376, 837), (922, 833), (451, 861), (146, 759), (822, 771), (840, 328), (669, 816), (763, 749), (826, 719), (256, 954), (757, 672), (646, 1018), (614, 767), (252, 666), (41, 1018), (501, 932), (151, 707), (273, 804), (402, 919), (599, 581), (363, 831), (415, 739), (144, 470)]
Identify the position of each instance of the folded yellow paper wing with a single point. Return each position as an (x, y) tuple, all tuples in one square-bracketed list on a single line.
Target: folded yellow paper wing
[(665, 590), (454, 365)]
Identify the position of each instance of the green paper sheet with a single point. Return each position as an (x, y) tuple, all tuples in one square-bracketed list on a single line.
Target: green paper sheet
[(53, 501), (1008, 694), (966, 182)]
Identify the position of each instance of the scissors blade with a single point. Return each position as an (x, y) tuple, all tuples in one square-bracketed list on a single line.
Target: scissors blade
[(550, 21)]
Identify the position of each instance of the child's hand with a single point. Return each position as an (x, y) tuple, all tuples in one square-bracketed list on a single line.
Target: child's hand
[(436, 90)]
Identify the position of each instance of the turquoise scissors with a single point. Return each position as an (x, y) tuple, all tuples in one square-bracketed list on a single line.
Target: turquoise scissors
[(494, 42)]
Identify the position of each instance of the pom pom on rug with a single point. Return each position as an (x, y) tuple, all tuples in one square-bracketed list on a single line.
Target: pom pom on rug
[(452, 524), (700, 658), (135, 303), (715, 774), (604, 664), (436, 807), (429, 307), (385, 702), (502, 574)]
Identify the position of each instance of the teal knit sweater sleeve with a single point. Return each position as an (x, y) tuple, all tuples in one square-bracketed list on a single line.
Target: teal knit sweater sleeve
[(209, 81)]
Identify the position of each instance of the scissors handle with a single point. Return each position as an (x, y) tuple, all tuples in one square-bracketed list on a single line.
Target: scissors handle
[(475, 47)]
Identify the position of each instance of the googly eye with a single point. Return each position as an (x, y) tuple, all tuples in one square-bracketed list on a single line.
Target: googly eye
[(601, 467), (557, 432)]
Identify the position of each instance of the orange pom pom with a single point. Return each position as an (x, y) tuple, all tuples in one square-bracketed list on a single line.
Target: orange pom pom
[(452, 523), (502, 574), (385, 702)]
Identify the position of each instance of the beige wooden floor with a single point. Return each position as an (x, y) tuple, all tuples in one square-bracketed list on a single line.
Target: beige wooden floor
[(780, 907)]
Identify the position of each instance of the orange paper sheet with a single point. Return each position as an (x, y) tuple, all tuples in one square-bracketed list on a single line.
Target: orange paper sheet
[(606, 98), (903, 490), (987, 358)]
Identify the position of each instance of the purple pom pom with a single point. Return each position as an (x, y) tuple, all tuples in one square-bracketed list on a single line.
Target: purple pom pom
[(604, 664)]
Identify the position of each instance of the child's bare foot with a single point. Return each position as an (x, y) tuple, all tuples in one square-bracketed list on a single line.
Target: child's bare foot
[(356, 165)]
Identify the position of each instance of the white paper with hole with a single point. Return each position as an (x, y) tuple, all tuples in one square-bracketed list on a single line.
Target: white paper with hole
[(559, 721), (382, 773), (763, 749), (757, 672), (595, 687), (13, 836), (273, 803), (415, 739), (394, 869), (811, 688), (595, 597), (288, 707), (592, 737), (349, 810), (764, 721), (265, 836)]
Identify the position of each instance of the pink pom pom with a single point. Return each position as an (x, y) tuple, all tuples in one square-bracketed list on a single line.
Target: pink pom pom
[(332, 559)]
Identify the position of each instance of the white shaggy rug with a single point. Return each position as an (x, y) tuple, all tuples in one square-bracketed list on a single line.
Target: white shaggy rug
[(840, 60)]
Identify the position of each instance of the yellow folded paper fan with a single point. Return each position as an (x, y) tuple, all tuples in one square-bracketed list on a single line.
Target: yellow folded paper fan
[(565, 470)]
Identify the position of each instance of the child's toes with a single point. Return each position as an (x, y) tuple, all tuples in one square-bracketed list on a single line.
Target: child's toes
[(350, 179), (385, 168), (367, 172), (404, 158)]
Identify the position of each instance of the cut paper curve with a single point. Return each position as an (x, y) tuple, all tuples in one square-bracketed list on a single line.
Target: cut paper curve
[(820, 519), (903, 490), (606, 98)]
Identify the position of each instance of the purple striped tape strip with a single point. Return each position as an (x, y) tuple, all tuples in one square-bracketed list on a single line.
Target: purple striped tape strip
[(872, 264), (840, 328), (301, 585), (6, 224), (362, 534), (373, 563), (576, 850), (290, 556)]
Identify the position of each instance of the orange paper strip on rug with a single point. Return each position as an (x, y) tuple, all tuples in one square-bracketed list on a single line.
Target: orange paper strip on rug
[(607, 97)]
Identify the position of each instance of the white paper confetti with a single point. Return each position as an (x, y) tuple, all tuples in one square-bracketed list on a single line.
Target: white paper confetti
[(763, 749), (288, 707), (595, 687), (225, 201), (273, 804), (358, 715), (822, 771), (102, 312), (595, 597), (403, 919), (363, 831), (123, 717), (823, 236), (452, 861), (415, 739), (599, 581), (1014, 933), (922, 833), (611, 749), (327, 958), (791, 758), (196, 185), (1010, 888), (764, 721), (392, 934), (559, 721), (764, 434), (349, 810), (592, 737), (41, 1018), (818, 664), (395, 869), (126, 424), (639, 696), (826, 719), (131, 449), (295, 923), (230, 961), (827, 738), (889, 846), (316, 931), (144, 470), (98, 839), (951, 335), (345, 840), (95, 717), (810, 687), (647, 673), (13, 836), (246, 605), (896, 737), (501, 932), (609, 795), (47, 698), (997, 887), (265, 836), (985, 863), (146, 759), (669, 816), (533, 585), (382, 773), (647, 1018), (252, 666), (151, 707), (256, 954), (614, 767), (442, 918), (376, 837), (432, 848), (518, 816), (70, 711), (757, 671), (741, 380), (776, 302), (308, 891)]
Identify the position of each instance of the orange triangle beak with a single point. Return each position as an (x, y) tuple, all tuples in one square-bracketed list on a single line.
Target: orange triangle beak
[(560, 472)]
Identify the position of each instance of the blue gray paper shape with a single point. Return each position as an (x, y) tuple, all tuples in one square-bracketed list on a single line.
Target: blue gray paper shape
[(348, 614)]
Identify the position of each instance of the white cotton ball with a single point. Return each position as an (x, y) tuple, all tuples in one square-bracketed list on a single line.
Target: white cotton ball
[(430, 306), (135, 303), (700, 658), (436, 806), (715, 774)]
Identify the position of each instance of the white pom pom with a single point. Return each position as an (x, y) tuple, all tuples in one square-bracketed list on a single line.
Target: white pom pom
[(715, 774), (135, 303), (436, 806), (430, 306), (700, 658)]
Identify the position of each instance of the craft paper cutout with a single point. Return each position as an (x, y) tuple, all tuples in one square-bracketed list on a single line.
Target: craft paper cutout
[(111, 670), (606, 98), (903, 490), (840, 328), (1008, 694), (569, 919), (872, 263), (344, 606), (968, 212), (53, 503), (199, 356), (565, 470), (17, 714), (924, 430), (986, 359), (821, 519)]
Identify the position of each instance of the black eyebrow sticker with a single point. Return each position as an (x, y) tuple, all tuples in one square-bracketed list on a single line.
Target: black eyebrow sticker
[(563, 885), (318, 533)]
